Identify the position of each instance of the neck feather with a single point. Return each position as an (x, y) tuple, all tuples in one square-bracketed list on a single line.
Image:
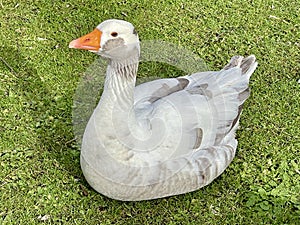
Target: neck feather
[(119, 84), (125, 68)]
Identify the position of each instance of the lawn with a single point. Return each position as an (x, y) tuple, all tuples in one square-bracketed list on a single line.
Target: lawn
[(40, 176)]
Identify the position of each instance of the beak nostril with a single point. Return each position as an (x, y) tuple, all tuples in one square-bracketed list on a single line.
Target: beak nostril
[(90, 41)]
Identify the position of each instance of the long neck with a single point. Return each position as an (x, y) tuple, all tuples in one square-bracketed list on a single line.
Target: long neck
[(120, 82), (116, 104), (115, 116)]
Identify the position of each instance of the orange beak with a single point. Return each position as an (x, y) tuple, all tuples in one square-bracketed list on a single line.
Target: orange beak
[(90, 41)]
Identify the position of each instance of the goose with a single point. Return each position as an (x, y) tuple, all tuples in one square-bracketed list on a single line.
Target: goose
[(164, 137)]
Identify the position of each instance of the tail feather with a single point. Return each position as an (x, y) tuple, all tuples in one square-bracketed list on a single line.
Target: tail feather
[(228, 88), (248, 64)]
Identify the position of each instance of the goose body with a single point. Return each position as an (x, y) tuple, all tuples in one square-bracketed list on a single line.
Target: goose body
[(164, 137)]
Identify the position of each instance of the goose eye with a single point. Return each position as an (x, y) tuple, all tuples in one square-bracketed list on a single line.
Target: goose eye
[(114, 34)]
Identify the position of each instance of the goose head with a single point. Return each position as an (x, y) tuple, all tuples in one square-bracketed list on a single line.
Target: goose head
[(113, 39)]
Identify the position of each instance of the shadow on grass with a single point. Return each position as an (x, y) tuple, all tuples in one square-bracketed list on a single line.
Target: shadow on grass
[(51, 116)]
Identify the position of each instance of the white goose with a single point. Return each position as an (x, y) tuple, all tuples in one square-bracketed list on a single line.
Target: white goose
[(164, 137)]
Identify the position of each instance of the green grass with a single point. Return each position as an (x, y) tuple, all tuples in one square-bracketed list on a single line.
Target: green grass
[(40, 176)]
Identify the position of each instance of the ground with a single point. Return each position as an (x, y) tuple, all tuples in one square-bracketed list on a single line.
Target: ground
[(40, 175)]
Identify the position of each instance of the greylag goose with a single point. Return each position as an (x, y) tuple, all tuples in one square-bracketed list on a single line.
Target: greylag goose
[(161, 138)]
